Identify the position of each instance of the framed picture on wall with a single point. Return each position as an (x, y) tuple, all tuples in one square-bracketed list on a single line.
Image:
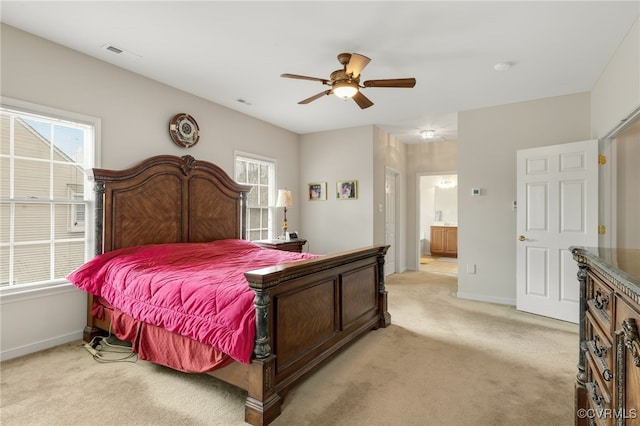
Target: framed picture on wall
[(347, 189), (317, 191)]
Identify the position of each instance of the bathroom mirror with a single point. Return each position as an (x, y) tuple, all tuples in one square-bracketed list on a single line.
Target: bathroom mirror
[(446, 204)]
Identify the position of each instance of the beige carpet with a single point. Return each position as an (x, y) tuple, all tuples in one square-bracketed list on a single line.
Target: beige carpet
[(443, 361)]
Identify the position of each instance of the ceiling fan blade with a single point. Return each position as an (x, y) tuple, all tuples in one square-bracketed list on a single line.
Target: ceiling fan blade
[(392, 82), (362, 101), (304, 77), (356, 64), (314, 97)]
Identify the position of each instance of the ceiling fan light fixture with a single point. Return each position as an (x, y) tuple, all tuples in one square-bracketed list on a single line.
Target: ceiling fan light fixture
[(345, 82), (345, 89)]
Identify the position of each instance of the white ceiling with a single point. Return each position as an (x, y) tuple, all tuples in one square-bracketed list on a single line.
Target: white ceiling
[(226, 51)]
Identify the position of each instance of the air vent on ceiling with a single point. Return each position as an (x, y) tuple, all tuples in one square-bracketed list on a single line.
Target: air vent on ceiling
[(112, 48), (120, 52)]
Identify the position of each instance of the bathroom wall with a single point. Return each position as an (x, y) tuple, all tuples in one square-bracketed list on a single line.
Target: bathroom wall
[(437, 206)]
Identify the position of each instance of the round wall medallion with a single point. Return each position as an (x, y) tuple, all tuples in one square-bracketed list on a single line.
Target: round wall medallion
[(184, 130)]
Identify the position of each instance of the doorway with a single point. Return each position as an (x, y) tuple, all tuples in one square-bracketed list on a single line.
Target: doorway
[(438, 222), (392, 185)]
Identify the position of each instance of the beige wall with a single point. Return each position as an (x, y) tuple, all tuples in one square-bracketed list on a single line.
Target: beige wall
[(135, 110), (488, 141), (337, 225), (361, 153)]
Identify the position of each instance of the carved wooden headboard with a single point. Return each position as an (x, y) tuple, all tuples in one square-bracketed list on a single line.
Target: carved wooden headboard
[(167, 199)]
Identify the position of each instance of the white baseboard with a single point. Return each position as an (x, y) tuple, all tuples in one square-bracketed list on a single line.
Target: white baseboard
[(40, 346), (483, 298)]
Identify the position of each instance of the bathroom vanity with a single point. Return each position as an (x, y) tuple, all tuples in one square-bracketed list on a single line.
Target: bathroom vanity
[(444, 241)]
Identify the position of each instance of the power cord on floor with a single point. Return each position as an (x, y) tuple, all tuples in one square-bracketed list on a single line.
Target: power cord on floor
[(103, 350), (110, 349)]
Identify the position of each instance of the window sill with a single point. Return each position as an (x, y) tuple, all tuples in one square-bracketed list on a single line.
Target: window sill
[(13, 295)]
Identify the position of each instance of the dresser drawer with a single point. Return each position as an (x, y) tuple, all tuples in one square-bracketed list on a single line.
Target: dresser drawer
[(596, 413), (598, 399), (599, 346), (600, 301)]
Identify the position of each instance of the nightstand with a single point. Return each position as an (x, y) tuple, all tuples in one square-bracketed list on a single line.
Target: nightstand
[(284, 245)]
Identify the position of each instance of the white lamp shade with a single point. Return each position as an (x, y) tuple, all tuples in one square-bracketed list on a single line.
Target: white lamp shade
[(284, 198)]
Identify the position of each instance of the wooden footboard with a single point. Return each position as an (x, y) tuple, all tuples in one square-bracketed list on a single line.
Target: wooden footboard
[(306, 312)]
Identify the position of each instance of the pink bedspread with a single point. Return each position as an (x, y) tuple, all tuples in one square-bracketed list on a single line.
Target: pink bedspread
[(197, 290)]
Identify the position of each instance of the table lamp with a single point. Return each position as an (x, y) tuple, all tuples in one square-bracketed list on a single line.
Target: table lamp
[(284, 200)]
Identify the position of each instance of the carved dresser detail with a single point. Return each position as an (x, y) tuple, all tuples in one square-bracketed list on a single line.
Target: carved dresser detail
[(608, 379)]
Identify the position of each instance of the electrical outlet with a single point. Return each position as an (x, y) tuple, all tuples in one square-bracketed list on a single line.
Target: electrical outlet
[(471, 268)]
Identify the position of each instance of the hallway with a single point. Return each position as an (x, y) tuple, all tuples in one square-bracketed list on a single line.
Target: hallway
[(442, 265)]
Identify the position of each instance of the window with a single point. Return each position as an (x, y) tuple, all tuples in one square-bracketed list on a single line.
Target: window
[(44, 195), (260, 174)]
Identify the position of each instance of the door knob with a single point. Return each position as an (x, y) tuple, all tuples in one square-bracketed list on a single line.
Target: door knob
[(522, 238)]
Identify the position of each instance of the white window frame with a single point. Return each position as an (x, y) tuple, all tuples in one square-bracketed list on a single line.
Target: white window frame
[(91, 158), (76, 222), (272, 187)]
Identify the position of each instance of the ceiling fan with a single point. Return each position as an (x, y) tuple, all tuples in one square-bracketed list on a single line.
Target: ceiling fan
[(345, 83)]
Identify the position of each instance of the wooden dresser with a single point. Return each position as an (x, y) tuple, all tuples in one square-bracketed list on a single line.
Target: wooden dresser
[(608, 380)]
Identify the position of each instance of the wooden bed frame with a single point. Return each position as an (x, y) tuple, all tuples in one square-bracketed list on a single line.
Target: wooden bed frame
[(305, 311)]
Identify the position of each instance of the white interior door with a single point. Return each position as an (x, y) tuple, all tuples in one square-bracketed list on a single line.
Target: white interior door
[(390, 224), (557, 207)]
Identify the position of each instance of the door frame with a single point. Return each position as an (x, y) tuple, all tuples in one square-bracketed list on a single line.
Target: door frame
[(418, 198), (396, 242)]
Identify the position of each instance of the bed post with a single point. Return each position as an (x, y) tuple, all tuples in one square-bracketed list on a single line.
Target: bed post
[(98, 191), (262, 347), (263, 402), (243, 215), (385, 316), (90, 330)]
